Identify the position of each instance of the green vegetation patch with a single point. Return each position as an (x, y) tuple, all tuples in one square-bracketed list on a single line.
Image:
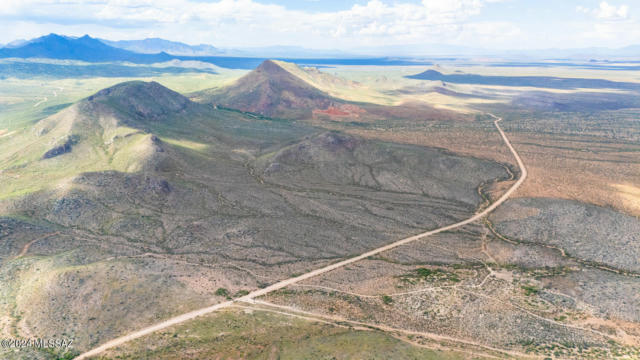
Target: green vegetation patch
[(387, 300), (261, 335), (222, 292), (432, 275), (530, 290)]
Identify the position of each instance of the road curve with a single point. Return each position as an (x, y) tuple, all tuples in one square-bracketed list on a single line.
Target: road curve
[(284, 283)]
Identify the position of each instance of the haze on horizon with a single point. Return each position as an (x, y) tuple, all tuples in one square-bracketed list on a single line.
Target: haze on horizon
[(333, 24)]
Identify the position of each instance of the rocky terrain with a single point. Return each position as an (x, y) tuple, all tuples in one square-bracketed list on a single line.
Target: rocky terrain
[(162, 200), (473, 286), (283, 90), (587, 232), (137, 203), (272, 91)]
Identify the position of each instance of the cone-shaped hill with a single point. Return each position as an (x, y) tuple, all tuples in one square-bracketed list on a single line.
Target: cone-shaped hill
[(148, 100), (136, 199), (134, 104), (129, 127), (283, 90), (119, 121), (270, 90)]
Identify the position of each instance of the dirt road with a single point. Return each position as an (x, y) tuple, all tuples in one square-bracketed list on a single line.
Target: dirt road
[(291, 311), (284, 283), (26, 247)]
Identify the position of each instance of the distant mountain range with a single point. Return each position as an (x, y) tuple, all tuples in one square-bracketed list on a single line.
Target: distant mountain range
[(15, 43), (157, 45), (94, 50), (154, 50), (84, 48)]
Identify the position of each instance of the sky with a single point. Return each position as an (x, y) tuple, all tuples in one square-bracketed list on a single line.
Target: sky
[(334, 24)]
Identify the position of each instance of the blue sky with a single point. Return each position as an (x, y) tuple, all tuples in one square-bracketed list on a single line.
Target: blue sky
[(335, 24)]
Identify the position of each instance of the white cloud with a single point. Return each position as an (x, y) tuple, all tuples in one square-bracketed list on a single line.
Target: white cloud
[(607, 11), (247, 22), (611, 26), (610, 12)]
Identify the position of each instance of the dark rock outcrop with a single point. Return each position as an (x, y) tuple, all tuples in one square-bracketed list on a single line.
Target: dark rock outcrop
[(61, 149)]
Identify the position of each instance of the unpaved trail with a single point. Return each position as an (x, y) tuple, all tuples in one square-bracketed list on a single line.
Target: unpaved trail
[(309, 315), (44, 100), (340, 322), (26, 247), (284, 283)]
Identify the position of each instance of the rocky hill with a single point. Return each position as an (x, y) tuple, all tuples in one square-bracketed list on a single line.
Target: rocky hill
[(136, 198), (272, 91), (284, 90)]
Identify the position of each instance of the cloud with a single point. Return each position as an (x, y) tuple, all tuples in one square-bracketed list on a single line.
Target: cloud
[(248, 22), (611, 26), (610, 12), (607, 12)]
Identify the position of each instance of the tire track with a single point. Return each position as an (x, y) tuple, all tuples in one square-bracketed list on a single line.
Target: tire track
[(250, 298)]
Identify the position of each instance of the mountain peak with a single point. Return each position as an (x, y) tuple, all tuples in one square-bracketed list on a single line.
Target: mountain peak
[(85, 48), (272, 90), (48, 37), (148, 100), (270, 66)]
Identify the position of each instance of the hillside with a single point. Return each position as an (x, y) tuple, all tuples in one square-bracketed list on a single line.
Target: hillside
[(284, 90), (116, 128), (528, 81), (85, 48), (136, 204), (272, 91), (136, 197)]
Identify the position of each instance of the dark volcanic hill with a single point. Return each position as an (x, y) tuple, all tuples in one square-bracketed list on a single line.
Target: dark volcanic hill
[(85, 48)]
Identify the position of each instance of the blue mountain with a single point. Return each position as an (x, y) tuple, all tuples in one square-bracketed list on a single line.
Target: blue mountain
[(156, 45), (84, 48)]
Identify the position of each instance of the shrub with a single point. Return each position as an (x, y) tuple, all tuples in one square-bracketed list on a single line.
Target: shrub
[(386, 299), (222, 292)]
